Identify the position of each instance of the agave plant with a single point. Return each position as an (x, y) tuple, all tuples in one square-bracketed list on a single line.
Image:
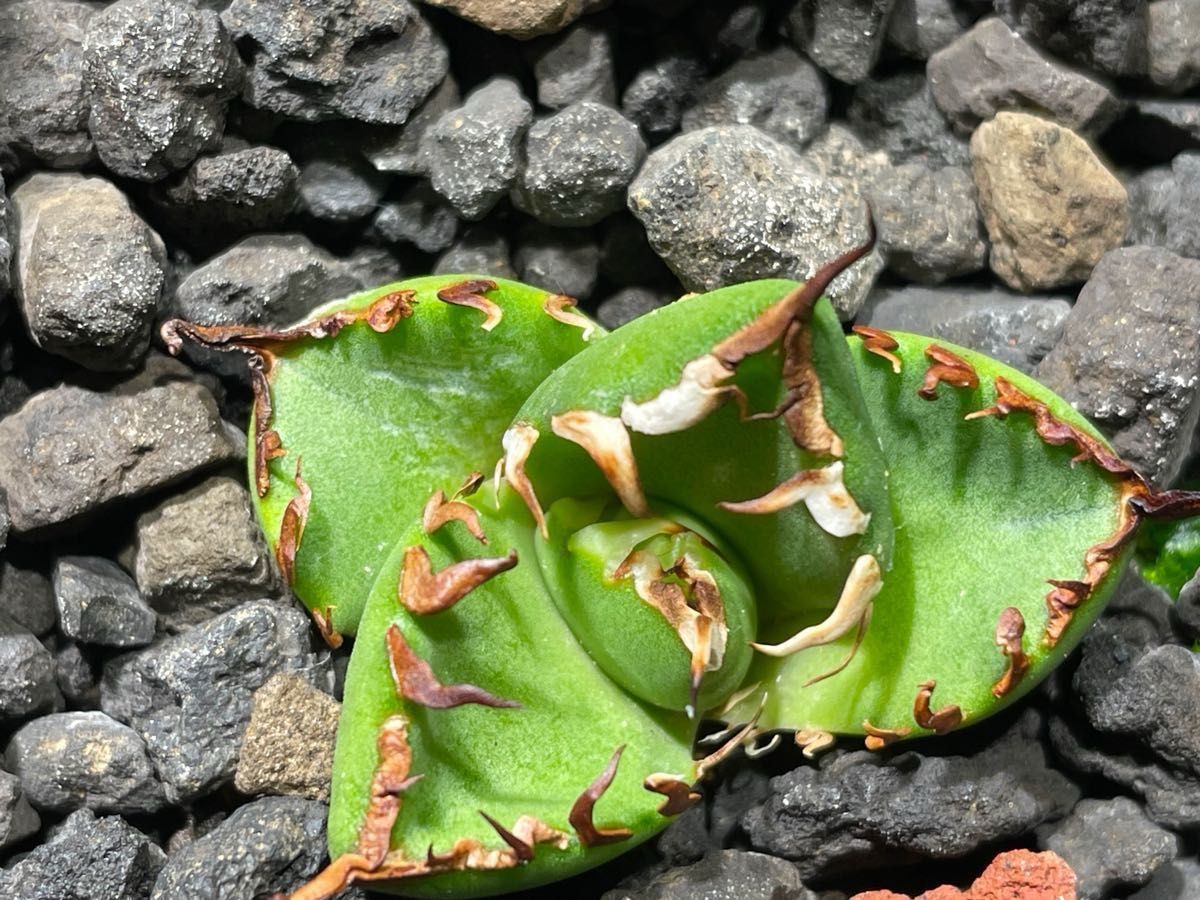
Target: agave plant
[(562, 549)]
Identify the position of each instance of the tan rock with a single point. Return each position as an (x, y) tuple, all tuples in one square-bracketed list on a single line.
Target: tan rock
[(520, 18), (1051, 207), (288, 746)]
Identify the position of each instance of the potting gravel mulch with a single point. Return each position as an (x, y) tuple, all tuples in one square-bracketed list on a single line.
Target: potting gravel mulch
[(166, 710)]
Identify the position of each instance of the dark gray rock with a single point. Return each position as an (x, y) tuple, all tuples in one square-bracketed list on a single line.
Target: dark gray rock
[(628, 304), (70, 452), (843, 37), (928, 222), (860, 811), (272, 844), (478, 251), (838, 153), (1182, 228), (374, 61), (920, 28), (89, 271), (578, 163), (1173, 43), (159, 75), (340, 188), (202, 552), (189, 697), (84, 759), (992, 68), (99, 604), (1129, 356), (728, 204), (398, 150), (1107, 35), (43, 102), (1173, 881), (898, 114), (724, 875), (716, 822), (1012, 328), (223, 196), (8, 229), (1151, 194), (27, 598), (726, 30), (1174, 121), (626, 256), (657, 95), (473, 153), (17, 818), (87, 859), (266, 279), (577, 65), (565, 262), (420, 217), (27, 683), (1186, 610), (780, 91), (1110, 845), (76, 677)]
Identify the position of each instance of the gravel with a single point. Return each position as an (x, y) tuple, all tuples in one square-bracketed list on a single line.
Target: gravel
[(577, 65), (99, 604)]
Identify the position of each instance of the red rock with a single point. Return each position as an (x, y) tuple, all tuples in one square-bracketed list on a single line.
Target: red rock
[(1015, 875)]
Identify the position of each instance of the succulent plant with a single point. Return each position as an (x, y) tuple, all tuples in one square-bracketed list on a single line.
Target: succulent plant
[(561, 550)]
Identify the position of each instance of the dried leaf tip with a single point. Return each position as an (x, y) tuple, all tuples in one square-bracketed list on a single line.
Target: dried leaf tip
[(1010, 628), (518, 443), (606, 441), (439, 511), (291, 528), (423, 592), (679, 794), (583, 807), (879, 342), (945, 719), (561, 308), (812, 741), (946, 367), (323, 620), (416, 682), (470, 294), (878, 738), (824, 493)]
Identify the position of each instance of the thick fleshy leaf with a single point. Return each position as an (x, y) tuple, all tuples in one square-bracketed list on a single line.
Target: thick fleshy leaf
[(380, 420), (507, 638)]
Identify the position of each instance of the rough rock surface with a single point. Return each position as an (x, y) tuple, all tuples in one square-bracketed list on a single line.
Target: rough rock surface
[(1110, 845), (89, 271), (724, 874), (779, 91), (480, 251), (398, 149), (1014, 329), (1051, 207), (1173, 40), (992, 68), (1015, 875), (340, 187), (843, 37), (728, 204), (920, 28), (897, 114), (84, 759), (578, 163), (159, 75), (99, 604), (577, 66), (69, 451), (472, 153), (272, 844), (17, 818), (43, 102), (520, 18), (27, 598), (100, 859), (658, 94), (1107, 35), (310, 60), (7, 233), (565, 262), (190, 697), (27, 683), (857, 810), (288, 745), (1130, 353)]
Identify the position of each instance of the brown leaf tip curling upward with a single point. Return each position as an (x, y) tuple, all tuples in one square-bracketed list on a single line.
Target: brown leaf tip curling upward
[(878, 738), (423, 592), (679, 794), (945, 719), (879, 342), (812, 741), (439, 511), (1010, 628), (581, 811), (606, 440), (561, 308), (291, 528), (323, 620), (470, 294), (946, 367), (415, 681)]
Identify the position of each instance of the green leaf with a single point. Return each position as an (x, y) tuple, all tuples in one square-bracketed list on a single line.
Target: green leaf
[(1169, 553)]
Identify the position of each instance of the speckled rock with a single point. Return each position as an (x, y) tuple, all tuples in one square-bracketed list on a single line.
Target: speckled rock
[(992, 68), (1110, 845), (839, 153), (43, 102), (99, 604), (576, 66), (84, 759), (1173, 41), (657, 95), (1051, 207), (159, 75), (70, 452), (190, 697), (27, 683), (17, 818), (308, 60), (398, 150), (897, 114), (920, 28), (288, 745), (272, 844), (472, 153), (779, 91), (89, 272), (578, 163), (728, 204), (1105, 35), (843, 37), (520, 18), (1129, 356)]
